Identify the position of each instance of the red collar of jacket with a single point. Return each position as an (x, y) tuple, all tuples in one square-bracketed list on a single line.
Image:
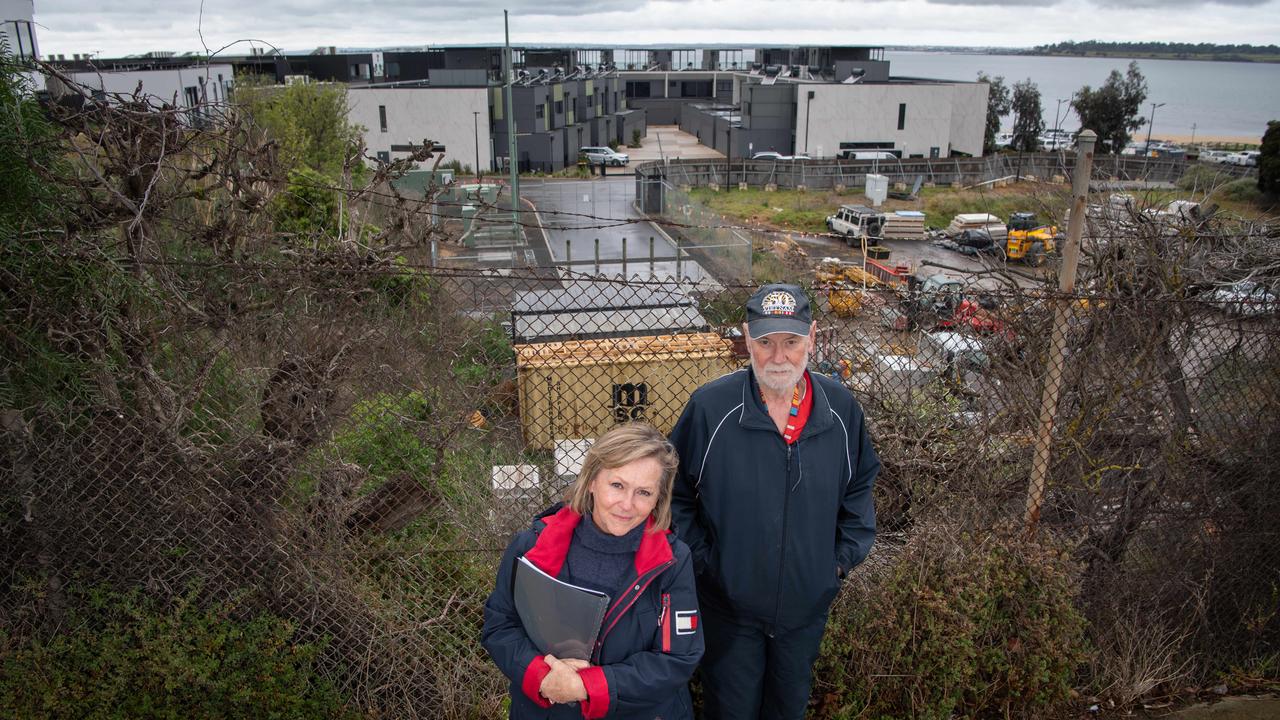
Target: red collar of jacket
[(552, 545)]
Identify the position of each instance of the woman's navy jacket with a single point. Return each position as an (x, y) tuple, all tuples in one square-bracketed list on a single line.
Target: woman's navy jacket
[(650, 640)]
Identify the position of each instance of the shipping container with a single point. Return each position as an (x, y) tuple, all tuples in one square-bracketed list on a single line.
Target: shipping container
[(581, 388)]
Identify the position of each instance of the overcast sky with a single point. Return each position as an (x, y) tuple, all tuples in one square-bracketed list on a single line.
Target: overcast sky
[(120, 27)]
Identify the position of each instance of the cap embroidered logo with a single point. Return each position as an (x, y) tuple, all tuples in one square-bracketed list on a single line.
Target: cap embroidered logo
[(778, 303)]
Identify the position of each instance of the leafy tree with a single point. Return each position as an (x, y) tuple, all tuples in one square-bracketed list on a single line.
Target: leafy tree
[(1028, 122), (27, 141), (1269, 161), (998, 106), (308, 121), (1114, 111)]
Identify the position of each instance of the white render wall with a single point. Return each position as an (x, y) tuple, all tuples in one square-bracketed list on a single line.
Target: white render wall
[(440, 115), (941, 115), (15, 25), (165, 86)]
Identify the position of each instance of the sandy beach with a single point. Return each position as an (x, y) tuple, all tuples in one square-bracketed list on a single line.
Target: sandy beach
[(1199, 139)]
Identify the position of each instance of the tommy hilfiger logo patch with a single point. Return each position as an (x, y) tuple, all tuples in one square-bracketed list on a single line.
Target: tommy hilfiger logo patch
[(778, 303), (686, 622)]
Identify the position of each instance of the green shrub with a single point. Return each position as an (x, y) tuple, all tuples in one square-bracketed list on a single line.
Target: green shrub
[(1242, 190), (963, 627), (129, 658)]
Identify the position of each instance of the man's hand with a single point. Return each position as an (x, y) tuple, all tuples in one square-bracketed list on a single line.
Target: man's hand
[(562, 684), (576, 664)]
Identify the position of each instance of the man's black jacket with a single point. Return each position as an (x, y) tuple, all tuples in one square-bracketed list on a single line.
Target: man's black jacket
[(772, 527)]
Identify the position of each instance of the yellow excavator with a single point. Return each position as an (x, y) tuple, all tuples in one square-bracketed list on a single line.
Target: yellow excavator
[(1028, 240)]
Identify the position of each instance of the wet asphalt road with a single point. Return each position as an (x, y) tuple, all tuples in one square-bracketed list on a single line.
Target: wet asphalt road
[(583, 211)]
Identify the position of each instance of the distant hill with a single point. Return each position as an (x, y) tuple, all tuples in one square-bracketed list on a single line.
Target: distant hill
[(1166, 50)]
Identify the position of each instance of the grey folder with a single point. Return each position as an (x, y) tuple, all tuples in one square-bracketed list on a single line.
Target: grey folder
[(560, 619)]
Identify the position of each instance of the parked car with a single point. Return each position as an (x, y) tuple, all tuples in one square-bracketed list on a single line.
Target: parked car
[(1248, 158), (771, 155), (604, 156), (1217, 157), (1245, 298)]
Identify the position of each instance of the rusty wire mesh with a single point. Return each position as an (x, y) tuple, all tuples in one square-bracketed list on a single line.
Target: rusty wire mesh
[(347, 438), (358, 468)]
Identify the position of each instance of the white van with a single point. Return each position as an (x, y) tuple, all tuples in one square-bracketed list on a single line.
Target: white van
[(867, 155)]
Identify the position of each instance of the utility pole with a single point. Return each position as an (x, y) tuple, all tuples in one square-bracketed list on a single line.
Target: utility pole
[(1058, 337), (1057, 119), (511, 130), (1146, 151)]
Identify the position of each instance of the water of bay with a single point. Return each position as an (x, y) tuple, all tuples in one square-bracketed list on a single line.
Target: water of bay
[(1221, 99)]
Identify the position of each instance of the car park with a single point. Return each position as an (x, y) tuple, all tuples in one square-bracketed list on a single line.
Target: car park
[(604, 156)]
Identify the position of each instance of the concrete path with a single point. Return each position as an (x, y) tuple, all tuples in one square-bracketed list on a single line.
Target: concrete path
[(671, 142)]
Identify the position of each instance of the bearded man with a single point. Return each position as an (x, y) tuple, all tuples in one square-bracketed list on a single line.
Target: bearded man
[(774, 498)]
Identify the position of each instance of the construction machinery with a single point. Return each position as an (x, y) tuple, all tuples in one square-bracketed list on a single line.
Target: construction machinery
[(938, 302), (1027, 240)]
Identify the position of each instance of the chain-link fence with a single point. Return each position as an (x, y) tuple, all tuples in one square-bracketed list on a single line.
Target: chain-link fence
[(200, 401), (354, 462)]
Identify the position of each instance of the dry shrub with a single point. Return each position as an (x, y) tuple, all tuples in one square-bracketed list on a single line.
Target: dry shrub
[(959, 624)]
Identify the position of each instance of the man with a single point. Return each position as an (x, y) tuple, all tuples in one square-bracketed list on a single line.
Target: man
[(773, 497)]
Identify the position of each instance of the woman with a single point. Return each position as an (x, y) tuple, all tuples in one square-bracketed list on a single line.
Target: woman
[(614, 536)]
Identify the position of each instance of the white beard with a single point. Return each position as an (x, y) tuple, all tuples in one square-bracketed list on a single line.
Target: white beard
[(778, 378)]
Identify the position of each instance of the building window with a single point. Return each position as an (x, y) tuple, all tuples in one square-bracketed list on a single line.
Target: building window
[(382, 117), (384, 156), (724, 86), (539, 111), (559, 107), (902, 116), (638, 88), (393, 70), (591, 101)]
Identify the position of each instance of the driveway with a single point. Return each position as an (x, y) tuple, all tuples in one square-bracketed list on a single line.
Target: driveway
[(574, 214), (670, 142)]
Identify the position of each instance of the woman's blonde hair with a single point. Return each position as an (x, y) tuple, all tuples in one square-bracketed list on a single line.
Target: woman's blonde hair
[(617, 447)]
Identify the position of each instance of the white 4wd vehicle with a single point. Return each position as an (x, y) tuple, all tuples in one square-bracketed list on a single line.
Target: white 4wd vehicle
[(855, 222), (604, 156)]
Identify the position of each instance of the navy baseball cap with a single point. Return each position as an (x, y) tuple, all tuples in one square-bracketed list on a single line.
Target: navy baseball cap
[(778, 308)]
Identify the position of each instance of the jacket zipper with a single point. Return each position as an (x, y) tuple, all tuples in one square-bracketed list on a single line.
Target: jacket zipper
[(639, 588), (782, 552), (665, 621)]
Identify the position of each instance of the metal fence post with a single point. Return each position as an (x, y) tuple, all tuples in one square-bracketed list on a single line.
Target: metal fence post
[(1057, 342)]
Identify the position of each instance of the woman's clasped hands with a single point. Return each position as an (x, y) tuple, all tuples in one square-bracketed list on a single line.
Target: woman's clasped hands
[(562, 684)]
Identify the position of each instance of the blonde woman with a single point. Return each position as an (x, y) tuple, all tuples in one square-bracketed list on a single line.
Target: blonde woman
[(613, 535)]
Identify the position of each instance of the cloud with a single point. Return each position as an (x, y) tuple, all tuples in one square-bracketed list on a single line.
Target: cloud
[(120, 27)]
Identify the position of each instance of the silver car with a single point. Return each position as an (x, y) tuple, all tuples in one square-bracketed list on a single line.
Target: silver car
[(604, 156)]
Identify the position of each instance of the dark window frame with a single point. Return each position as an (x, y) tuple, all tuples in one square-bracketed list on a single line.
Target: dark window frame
[(382, 117), (902, 116)]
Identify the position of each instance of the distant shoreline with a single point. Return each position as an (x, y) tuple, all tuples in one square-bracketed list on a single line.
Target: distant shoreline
[(1206, 57)]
